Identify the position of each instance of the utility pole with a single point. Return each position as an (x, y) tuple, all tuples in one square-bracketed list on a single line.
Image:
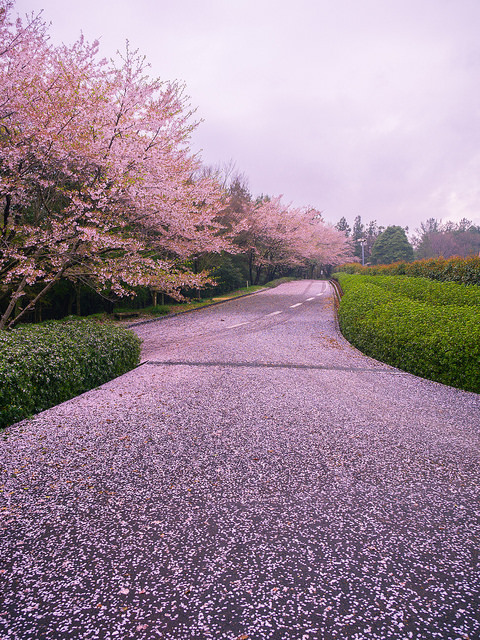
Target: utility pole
[(362, 242)]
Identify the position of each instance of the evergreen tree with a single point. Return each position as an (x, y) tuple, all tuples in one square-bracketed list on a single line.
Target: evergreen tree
[(391, 246), (342, 225), (357, 234), (372, 232)]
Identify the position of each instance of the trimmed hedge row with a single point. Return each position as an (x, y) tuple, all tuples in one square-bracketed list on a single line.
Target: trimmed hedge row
[(460, 270), (430, 291), (43, 365), (437, 341)]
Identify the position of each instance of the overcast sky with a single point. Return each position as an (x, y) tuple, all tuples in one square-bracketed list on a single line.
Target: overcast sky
[(354, 107)]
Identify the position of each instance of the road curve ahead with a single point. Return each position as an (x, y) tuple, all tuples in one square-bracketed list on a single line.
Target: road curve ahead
[(255, 478)]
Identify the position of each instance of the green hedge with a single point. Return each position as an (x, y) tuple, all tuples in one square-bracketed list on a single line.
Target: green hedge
[(460, 270), (425, 290), (427, 337), (43, 365)]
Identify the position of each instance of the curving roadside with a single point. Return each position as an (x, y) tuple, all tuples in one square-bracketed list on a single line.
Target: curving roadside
[(256, 477)]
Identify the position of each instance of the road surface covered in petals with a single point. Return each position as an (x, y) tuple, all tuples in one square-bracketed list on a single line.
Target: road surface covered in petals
[(255, 478)]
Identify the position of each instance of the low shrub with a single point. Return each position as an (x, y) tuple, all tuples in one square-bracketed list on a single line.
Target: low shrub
[(456, 269), (43, 365), (278, 281), (430, 291), (431, 339)]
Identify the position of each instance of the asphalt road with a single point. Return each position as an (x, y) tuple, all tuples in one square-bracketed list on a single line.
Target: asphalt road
[(255, 478)]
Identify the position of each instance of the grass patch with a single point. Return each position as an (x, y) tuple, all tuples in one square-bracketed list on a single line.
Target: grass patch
[(278, 281), (180, 307)]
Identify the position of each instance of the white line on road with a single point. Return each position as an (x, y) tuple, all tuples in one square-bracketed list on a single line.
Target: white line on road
[(308, 299), (320, 294), (274, 313), (240, 324), (299, 304)]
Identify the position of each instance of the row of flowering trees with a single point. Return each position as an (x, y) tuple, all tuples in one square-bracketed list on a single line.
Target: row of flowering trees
[(275, 237), (99, 186)]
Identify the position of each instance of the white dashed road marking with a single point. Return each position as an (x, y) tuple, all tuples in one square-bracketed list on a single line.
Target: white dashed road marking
[(274, 313), (233, 326), (308, 299), (320, 294), (299, 304)]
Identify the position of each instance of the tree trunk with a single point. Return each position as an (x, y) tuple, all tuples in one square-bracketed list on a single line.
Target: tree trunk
[(271, 273), (13, 303), (32, 303)]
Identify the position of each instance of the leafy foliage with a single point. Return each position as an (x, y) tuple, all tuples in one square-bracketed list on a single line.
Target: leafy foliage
[(392, 320), (43, 365)]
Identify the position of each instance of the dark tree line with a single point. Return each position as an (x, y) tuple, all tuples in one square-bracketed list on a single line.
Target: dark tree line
[(433, 239)]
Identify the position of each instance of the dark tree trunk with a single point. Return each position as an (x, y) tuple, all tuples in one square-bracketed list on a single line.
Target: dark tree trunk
[(250, 265)]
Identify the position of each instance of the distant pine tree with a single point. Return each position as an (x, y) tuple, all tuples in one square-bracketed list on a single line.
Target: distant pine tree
[(342, 225)]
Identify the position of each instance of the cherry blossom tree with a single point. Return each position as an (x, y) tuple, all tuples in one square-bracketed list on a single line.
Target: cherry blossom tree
[(98, 184), (96, 175), (276, 237)]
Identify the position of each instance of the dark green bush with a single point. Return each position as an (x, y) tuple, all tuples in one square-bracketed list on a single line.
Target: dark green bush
[(43, 365), (430, 338)]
